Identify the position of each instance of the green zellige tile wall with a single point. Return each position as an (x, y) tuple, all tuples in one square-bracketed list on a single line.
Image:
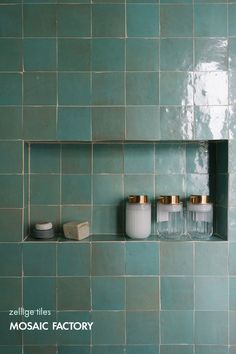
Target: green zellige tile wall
[(115, 70)]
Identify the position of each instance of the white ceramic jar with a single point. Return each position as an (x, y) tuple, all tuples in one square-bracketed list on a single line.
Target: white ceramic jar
[(199, 217), (138, 217)]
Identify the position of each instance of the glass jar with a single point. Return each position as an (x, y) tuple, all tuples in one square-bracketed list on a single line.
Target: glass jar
[(169, 217), (199, 217), (138, 216)]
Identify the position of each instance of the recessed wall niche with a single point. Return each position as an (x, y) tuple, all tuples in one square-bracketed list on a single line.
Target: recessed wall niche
[(91, 181)]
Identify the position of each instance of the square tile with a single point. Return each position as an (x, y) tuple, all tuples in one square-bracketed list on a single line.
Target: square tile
[(11, 156), (170, 158), (11, 21), (176, 88), (232, 323), (39, 123), (10, 122), (142, 293), (177, 327), (11, 89), (11, 225), (108, 89), (138, 158), (211, 293), (108, 293), (10, 259), (108, 259), (108, 123), (211, 54), (44, 158), (39, 54), (232, 122), (69, 338), (232, 53), (108, 220), (232, 87), (177, 293), (142, 88), (11, 294), (231, 224), (142, 54), (139, 184), (39, 259), (73, 259), (176, 21), (142, 327), (142, 20), (232, 259), (74, 54), (197, 183), (211, 327), (76, 158), (76, 189), (40, 89), (45, 189), (109, 328), (232, 292), (142, 123), (74, 123), (73, 293), (74, 89), (210, 20), (69, 213), (170, 184), (39, 292), (108, 20), (108, 54), (211, 259), (176, 349), (11, 54), (176, 54), (73, 20), (231, 20), (107, 189), (11, 191), (205, 93), (108, 158), (39, 20), (176, 258), (148, 252), (197, 158)]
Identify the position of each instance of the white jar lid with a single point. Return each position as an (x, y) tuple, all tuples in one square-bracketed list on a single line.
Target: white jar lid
[(43, 226)]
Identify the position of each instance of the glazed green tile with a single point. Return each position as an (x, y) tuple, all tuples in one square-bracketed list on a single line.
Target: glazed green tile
[(108, 158), (177, 327), (211, 259), (232, 53), (11, 21), (44, 189), (140, 349), (76, 158), (232, 350), (39, 292), (211, 122), (221, 217), (108, 123), (232, 87), (44, 158), (211, 293), (201, 349), (11, 225), (232, 259), (232, 323), (39, 123), (106, 349), (108, 293), (211, 327), (232, 291), (39, 20), (107, 189), (176, 21), (11, 89), (39, 259), (176, 258), (9, 337), (197, 158), (39, 349), (74, 54), (231, 146), (139, 184), (74, 89), (210, 54), (142, 327), (73, 349), (142, 20), (231, 20), (210, 20), (176, 349), (69, 213), (41, 337), (176, 123), (73, 20), (74, 123), (109, 328), (232, 122), (10, 259), (231, 224), (142, 54), (76, 189), (39, 54), (69, 338), (73, 259), (177, 293), (108, 220), (73, 293), (142, 123), (13, 349), (150, 256), (197, 183), (45, 212), (11, 191), (176, 54), (108, 259), (176, 88), (170, 158), (142, 293), (40, 89), (11, 156), (174, 184), (108, 20), (108, 54), (205, 93), (108, 88), (142, 88), (11, 54), (11, 293), (138, 158), (10, 122)]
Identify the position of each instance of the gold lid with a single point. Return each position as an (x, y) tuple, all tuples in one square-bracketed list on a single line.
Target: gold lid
[(169, 199), (199, 199), (141, 199)]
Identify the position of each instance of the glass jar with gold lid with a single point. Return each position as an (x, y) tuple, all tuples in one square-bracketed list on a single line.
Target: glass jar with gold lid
[(138, 216), (170, 217), (199, 217)]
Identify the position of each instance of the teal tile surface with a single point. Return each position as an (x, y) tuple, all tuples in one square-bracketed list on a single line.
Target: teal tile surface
[(211, 122), (142, 88), (211, 293), (10, 349), (10, 259), (76, 158), (44, 189), (142, 293), (39, 259), (210, 20), (108, 293), (74, 123), (170, 158), (201, 349), (176, 349), (108, 20), (108, 54), (232, 87), (232, 259), (11, 156), (74, 89), (44, 158), (7, 337), (39, 292), (139, 349), (211, 259), (39, 54), (170, 184), (205, 84), (74, 337), (143, 20), (11, 89), (74, 54), (211, 54), (232, 53), (76, 189), (142, 327), (73, 349), (107, 349), (11, 228), (73, 259), (69, 213), (197, 158), (11, 54), (109, 327), (10, 21), (10, 122), (176, 258), (177, 293), (45, 212), (108, 123), (232, 289), (73, 20), (176, 20), (231, 19), (108, 158), (138, 158), (211, 327), (39, 20), (108, 259), (11, 188), (232, 322), (176, 88), (73, 293), (107, 189), (36, 350), (108, 89), (39, 89), (107, 220), (176, 54), (177, 327), (139, 184), (39, 123), (142, 54), (149, 254)]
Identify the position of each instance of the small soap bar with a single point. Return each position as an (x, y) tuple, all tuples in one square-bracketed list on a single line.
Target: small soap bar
[(75, 230), (43, 225)]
